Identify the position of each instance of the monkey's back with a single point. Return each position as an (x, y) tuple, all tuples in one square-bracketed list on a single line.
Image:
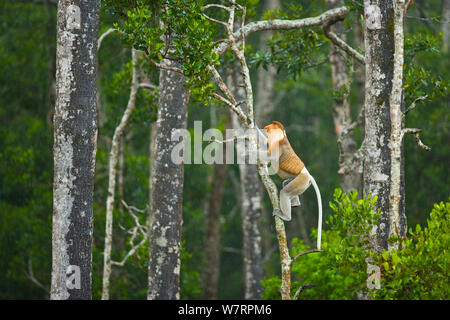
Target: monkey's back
[(289, 163)]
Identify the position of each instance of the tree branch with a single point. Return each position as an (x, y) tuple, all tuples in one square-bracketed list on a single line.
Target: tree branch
[(329, 16), (353, 163), (413, 105), (166, 67), (342, 44), (306, 286), (30, 275), (416, 132), (135, 229), (306, 252), (104, 35), (147, 86)]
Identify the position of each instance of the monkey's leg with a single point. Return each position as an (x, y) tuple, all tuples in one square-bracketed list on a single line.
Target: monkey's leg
[(285, 206), (295, 200), (293, 188)]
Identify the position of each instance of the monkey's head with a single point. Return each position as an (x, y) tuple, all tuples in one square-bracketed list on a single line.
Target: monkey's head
[(274, 125), (276, 129), (276, 133)]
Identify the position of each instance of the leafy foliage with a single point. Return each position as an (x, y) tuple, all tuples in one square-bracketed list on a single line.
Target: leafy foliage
[(293, 51), (175, 30), (420, 268), (339, 272)]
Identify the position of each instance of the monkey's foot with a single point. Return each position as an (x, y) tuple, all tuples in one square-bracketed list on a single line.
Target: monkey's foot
[(279, 213)]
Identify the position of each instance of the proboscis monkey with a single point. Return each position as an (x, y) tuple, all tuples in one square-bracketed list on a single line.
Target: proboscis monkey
[(293, 170)]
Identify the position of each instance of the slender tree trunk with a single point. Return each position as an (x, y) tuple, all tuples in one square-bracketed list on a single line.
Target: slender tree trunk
[(266, 78), (212, 247), (166, 190), (359, 71), (113, 159), (265, 94), (382, 108), (251, 199), (120, 173), (75, 145), (350, 180), (397, 217)]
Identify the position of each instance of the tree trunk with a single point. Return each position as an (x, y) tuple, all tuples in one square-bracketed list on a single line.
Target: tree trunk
[(265, 95), (266, 78), (397, 217), (75, 145), (381, 115), (251, 199), (212, 246), (112, 173), (350, 180), (166, 190)]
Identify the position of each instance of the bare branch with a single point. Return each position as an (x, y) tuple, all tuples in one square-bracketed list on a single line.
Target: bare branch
[(352, 126), (214, 20), (230, 140), (306, 252), (222, 86), (147, 85), (233, 107), (30, 275), (413, 105), (166, 67), (416, 132), (138, 227), (215, 5), (342, 44), (104, 35), (306, 286)]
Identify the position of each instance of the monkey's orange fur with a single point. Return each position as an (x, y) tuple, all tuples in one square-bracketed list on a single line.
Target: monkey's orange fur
[(290, 164)]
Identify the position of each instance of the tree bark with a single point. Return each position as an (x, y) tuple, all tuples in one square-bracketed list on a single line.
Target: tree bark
[(166, 190), (75, 145), (381, 105), (350, 180)]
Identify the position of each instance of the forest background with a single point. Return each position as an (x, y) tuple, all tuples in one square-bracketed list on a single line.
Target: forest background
[(301, 97)]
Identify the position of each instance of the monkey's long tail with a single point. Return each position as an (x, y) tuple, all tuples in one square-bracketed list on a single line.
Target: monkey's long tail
[(319, 204)]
